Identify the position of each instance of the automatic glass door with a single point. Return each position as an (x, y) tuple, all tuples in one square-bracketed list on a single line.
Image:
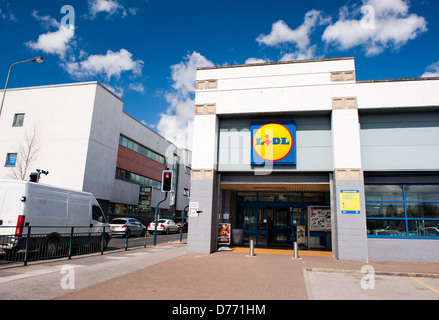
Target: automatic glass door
[(282, 225), (255, 226)]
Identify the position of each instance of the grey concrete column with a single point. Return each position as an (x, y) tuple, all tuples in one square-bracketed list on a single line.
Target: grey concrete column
[(350, 231), (203, 230)]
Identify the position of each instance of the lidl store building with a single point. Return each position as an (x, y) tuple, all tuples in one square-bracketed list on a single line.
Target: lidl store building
[(302, 151)]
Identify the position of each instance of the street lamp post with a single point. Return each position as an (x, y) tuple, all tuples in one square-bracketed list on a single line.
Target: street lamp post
[(37, 59)]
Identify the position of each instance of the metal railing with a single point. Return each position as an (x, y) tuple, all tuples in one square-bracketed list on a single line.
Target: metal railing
[(35, 243)]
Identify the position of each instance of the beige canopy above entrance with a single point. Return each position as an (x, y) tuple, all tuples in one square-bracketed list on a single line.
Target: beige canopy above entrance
[(276, 187)]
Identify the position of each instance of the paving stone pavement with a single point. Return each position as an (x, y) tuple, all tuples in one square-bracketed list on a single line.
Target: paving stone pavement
[(168, 273), (237, 276)]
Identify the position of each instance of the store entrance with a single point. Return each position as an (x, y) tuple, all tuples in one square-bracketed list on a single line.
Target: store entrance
[(268, 218), (268, 226)]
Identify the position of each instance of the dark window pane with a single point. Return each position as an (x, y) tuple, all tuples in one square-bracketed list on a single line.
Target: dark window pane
[(386, 227), (423, 228), (422, 192), (384, 192), (385, 210), (423, 210)]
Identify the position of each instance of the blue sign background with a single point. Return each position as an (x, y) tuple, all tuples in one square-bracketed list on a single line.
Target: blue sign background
[(11, 160), (290, 159)]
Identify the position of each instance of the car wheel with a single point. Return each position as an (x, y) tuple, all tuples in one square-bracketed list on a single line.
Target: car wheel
[(52, 247), (167, 231)]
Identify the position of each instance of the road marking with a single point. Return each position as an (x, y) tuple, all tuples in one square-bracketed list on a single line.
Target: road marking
[(425, 285)]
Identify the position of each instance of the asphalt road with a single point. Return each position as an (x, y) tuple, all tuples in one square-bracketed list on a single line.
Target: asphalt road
[(116, 243), (134, 241)]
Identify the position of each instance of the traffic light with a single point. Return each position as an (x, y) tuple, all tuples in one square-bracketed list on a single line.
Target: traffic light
[(167, 181)]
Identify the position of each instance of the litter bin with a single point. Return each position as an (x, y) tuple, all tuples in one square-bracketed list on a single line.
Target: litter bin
[(237, 236)]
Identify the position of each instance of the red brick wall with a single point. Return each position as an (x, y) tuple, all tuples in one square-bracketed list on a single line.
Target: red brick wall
[(136, 163)]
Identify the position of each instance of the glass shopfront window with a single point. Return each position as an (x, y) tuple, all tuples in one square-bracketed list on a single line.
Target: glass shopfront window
[(384, 192), (422, 193), (423, 210), (385, 210), (247, 196), (406, 211), (386, 227), (314, 197), (423, 228)]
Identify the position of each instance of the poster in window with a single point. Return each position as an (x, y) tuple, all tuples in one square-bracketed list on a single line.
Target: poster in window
[(224, 231), (301, 235), (319, 218)]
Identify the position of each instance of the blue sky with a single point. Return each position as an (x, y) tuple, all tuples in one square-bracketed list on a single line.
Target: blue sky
[(147, 51)]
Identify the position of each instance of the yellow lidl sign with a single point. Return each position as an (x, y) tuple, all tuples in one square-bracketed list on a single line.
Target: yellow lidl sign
[(274, 142)]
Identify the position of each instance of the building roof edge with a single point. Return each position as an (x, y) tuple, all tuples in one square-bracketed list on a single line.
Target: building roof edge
[(275, 63), (399, 80), (65, 85)]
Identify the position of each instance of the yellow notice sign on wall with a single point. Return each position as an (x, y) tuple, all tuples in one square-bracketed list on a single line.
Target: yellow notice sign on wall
[(350, 201)]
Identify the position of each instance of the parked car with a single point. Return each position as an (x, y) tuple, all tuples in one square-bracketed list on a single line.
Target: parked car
[(165, 226), (431, 232), (185, 225), (127, 227)]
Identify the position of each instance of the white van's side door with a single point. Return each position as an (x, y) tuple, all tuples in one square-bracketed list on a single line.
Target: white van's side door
[(97, 218)]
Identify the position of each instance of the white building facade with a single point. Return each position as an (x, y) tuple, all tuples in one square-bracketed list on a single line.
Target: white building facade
[(80, 134), (285, 141)]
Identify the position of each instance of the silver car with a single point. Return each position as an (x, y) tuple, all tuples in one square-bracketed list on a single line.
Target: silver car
[(164, 226), (127, 227)]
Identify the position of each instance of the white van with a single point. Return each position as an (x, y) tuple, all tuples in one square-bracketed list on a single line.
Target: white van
[(51, 213)]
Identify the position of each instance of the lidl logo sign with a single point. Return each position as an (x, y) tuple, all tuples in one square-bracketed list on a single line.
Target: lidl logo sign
[(274, 142)]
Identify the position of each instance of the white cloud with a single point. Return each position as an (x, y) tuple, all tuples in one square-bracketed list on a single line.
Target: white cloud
[(255, 60), (432, 70), (281, 33), (112, 64), (309, 53), (6, 13), (184, 73), (118, 91), (54, 42), (138, 87), (78, 63), (176, 123), (110, 7), (46, 21), (389, 6), (57, 42), (393, 27)]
